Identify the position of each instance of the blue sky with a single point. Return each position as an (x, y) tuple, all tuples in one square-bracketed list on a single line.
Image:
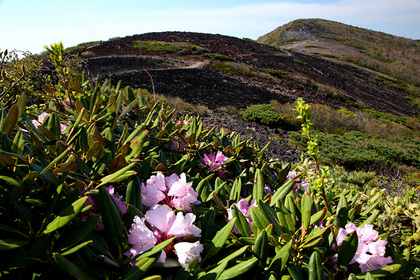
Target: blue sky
[(29, 25)]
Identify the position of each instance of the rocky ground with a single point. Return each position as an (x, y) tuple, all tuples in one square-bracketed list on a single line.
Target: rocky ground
[(192, 77)]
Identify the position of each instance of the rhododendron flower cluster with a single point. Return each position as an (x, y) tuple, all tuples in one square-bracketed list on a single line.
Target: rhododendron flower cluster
[(41, 118), (245, 208), (173, 190), (215, 161), (303, 184), (370, 254), (164, 224)]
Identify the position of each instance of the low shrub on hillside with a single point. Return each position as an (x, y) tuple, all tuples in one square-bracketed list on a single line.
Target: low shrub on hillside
[(265, 115), (109, 183)]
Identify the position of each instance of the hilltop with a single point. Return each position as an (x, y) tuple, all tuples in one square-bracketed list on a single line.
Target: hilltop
[(213, 72)]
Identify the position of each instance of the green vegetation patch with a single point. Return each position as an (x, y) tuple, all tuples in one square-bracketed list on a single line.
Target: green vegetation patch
[(277, 73), (163, 47), (235, 68), (264, 114), (218, 56), (361, 151)]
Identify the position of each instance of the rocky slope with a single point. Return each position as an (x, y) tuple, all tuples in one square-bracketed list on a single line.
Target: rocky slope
[(193, 74)]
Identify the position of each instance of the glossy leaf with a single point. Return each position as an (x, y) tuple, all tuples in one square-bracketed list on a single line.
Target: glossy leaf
[(282, 191), (220, 238), (315, 267), (66, 215), (347, 249), (238, 269), (71, 268)]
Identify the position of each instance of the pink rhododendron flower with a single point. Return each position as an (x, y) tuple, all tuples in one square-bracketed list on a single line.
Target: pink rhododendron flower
[(141, 237), (245, 208), (173, 190), (187, 252), (215, 161), (164, 225), (370, 254), (303, 184), (41, 118)]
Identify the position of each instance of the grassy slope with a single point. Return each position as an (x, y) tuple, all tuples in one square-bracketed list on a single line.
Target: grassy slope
[(395, 56)]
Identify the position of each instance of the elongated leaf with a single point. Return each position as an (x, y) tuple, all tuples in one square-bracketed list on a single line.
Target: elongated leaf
[(76, 248), (342, 211), (269, 214), (234, 255), (80, 231), (18, 144), (347, 249), (66, 215), (280, 259), (71, 268), (306, 206), (208, 224), (259, 219), (315, 267), (241, 222), (8, 244), (11, 119), (258, 190), (214, 273), (282, 191), (141, 267), (133, 193), (220, 238), (238, 269), (261, 248), (114, 176), (111, 217), (371, 218), (235, 192)]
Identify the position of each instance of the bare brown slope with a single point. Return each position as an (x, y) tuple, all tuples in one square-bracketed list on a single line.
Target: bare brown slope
[(174, 74)]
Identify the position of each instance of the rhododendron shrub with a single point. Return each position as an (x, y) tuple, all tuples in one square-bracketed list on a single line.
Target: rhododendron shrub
[(107, 198), (370, 253)]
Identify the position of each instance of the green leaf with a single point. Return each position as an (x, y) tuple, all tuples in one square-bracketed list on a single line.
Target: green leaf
[(80, 231), (18, 144), (280, 259), (115, 176), (111, 217), (71, 268), (238, 269), (141, 267), (306, 207), (208, 224), (133, 193), (8, 244), (77, 248), (157, 249), (261, 248), (269, 214), (371, 219), (220, 238), (235, 192), (214, 273), (241, 222), (282, 191), (315, 267), (342, 211), (258, 189), (348, 249), (11, 119), (66, 215), (259, 219), (234, 255)]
